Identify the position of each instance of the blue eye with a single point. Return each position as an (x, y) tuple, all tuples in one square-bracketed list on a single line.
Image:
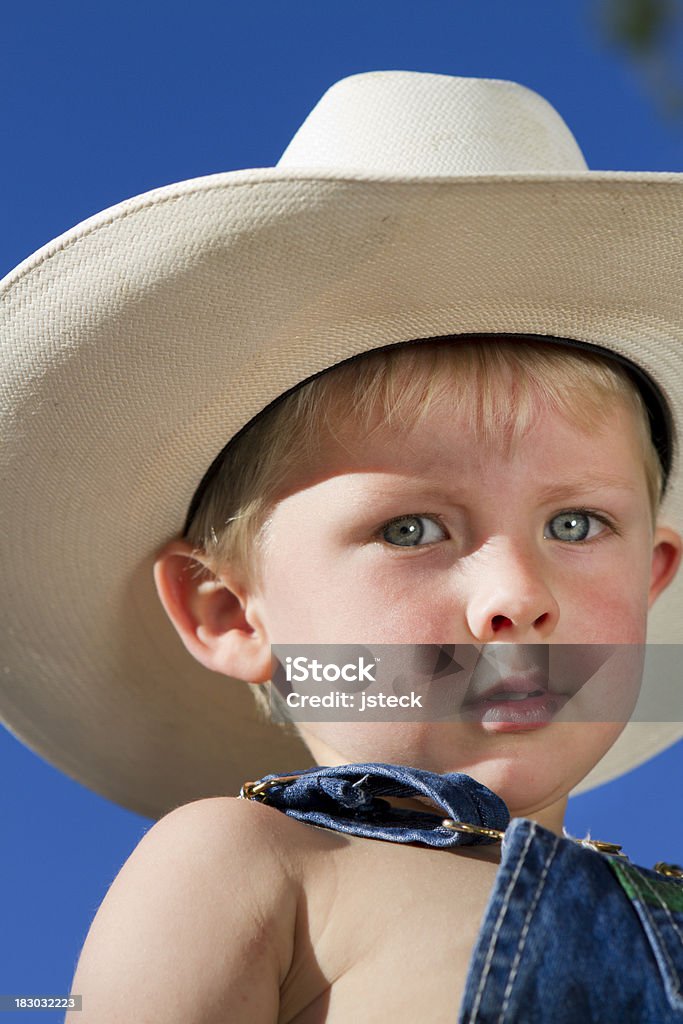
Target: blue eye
[(574, 525), (411, 531)]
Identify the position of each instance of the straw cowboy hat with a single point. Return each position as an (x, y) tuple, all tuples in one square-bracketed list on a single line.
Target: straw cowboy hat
[(135, 345)]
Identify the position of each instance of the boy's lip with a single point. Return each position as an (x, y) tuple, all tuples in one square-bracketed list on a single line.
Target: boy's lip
[(520, 682)]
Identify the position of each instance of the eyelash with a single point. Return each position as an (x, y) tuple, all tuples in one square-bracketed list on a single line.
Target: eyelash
[(410, 515), (592, 514), (589, 512)]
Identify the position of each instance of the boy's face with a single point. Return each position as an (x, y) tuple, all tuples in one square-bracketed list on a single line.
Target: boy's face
[(489, 559)]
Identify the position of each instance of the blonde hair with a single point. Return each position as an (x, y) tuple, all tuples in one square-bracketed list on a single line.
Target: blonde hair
[(500, 384)]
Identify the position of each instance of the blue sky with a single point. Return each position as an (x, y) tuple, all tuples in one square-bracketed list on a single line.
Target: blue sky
[(104, 101)]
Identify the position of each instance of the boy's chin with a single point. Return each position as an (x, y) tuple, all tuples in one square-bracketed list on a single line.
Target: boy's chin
[(529, 780)]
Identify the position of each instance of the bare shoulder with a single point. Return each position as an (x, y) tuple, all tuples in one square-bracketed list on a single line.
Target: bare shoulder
[(199, 923)]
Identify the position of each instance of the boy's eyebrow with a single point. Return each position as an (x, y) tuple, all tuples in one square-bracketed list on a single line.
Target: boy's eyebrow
[(585, 485)]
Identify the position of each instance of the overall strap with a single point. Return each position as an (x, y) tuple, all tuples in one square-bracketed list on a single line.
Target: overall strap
[(348, 798)]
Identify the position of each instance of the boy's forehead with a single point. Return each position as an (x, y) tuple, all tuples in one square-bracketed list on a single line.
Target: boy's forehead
[(446, 437)]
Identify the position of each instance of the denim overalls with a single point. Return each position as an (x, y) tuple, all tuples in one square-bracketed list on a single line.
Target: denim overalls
[(571, 934)]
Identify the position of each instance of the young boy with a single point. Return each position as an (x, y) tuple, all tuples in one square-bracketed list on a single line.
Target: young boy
[(497, 486)]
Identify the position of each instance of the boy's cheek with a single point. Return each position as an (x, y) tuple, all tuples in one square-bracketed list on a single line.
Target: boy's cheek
[(605, 607), (617, 622)]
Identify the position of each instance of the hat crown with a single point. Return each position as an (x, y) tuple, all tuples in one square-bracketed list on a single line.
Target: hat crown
[(427, 125)]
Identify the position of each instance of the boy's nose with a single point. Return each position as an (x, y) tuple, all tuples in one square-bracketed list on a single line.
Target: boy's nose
[(510, 600)]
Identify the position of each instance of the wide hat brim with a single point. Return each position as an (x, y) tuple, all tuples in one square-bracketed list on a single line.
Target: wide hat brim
[(136, 344)]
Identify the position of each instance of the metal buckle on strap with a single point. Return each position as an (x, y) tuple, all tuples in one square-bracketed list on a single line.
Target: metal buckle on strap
[(670, 870), (477, 830), (493, 833), (602, 847), (258, 790)]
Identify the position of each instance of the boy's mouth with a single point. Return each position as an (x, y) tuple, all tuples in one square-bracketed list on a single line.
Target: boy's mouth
[(521, 700), (514, 687)]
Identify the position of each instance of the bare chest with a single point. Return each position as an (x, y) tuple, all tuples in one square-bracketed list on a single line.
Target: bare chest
[(386, 932)]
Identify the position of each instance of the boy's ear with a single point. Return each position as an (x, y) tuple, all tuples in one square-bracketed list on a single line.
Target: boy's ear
[(215, 617), (666, 559)]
